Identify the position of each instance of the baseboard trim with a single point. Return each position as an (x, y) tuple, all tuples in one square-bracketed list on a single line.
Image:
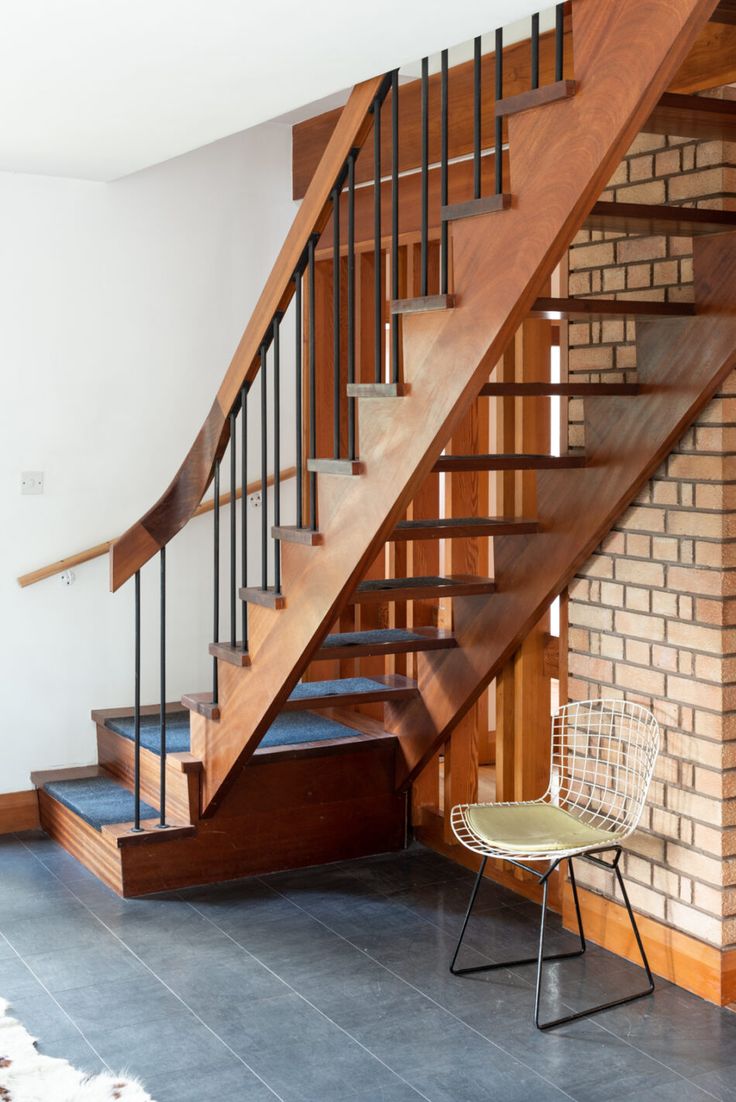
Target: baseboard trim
[(681, 958), (19, 811)]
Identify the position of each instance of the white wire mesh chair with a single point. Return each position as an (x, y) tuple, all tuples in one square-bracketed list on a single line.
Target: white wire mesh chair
[(603, 756)]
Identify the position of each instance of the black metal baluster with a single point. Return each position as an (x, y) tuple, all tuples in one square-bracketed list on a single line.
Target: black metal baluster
[(559, 41), (264, 472), (233, 544), (216, 578), (244, 508), (444, 119), (377, 273), (137, 707), (476, 117), (351, 300), (535, 50), (277, 449), (424, 278), (312, 391), (395, 221), (298, 393), (498, 121), (162, 691), (336, 322)]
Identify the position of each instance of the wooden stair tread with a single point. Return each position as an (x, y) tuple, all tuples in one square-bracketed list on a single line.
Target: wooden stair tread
[(421, 588), (349, 690), (377, 390), (421, 304), (266, 598), (201, 703), (509, 462), (570, 389), (687, 116), (293, 533), (658, 219), (471, 208), (535, 97), (562, 309), (462, 528), (384, 641)]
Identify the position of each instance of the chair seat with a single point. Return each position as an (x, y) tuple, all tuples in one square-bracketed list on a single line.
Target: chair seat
[(533, 828)]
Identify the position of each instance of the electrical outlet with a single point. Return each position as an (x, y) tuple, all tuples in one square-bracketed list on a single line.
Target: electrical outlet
[(31, 482), (254, 500)]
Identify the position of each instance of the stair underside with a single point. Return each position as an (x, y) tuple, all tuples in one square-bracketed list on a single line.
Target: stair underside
[(415, 589), (684, 116)]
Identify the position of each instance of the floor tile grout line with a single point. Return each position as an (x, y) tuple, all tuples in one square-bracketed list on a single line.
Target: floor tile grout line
[(304, 999), (157, 977), (402, 980), (442, 930), (378, 892), (53, 998)]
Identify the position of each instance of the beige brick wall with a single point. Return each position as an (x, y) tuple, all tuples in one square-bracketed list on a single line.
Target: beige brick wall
[(652, 616)]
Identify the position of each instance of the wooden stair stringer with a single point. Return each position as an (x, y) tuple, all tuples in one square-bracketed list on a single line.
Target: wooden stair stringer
[(682, 363), (564, 155)]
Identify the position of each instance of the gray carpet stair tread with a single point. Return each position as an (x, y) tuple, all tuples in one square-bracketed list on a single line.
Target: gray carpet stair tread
[(344, 686), (403, 583), (372, 638), (98, 800)]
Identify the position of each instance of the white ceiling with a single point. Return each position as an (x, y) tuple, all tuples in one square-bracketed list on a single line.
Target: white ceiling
[(97, 89)]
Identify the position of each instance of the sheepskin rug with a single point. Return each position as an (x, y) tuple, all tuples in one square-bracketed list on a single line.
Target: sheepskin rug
[(27, 1076)]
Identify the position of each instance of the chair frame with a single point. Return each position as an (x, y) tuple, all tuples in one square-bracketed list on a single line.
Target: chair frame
[(624, 823)]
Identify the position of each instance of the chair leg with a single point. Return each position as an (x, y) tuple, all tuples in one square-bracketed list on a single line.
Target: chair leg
[(509, 963), (603, 1006)]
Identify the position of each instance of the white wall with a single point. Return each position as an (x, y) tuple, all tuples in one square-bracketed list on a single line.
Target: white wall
[(120, 306)]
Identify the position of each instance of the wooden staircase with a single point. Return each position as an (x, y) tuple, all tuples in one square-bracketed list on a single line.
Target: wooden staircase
[(269, 770)]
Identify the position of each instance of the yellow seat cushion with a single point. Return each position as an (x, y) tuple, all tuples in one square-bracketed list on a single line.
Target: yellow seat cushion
[(533, 828)]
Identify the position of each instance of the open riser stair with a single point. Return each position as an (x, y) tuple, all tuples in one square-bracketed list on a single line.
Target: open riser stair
[(334, 684)]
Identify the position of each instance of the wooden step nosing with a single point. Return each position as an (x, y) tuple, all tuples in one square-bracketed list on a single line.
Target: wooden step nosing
[(472, 208), (535, 97), (492, 527), (569, 389), (198, 702), (422, 304), (342, 468), (362, 391), (292, 533), (659, 218), (450, 464), (438, 640), (234, 656), (455, 586), (559, 309), (265, 598)]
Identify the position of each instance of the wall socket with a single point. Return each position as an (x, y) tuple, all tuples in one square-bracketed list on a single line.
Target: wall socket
[(31, 482)]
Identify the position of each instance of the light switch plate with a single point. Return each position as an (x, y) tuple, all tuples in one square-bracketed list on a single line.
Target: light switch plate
[(31, 482)]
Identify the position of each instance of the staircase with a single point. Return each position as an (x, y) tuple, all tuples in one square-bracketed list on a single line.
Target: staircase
[(278, 765)]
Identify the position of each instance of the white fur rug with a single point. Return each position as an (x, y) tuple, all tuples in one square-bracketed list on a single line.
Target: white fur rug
[(27, 1076)]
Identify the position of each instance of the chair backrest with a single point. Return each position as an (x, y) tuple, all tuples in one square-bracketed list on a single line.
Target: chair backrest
[(603, 755)]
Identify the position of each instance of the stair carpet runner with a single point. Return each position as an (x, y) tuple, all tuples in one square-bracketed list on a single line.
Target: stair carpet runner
[(102, 801)]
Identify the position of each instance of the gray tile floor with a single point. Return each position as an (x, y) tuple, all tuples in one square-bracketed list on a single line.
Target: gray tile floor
[(330, 984)]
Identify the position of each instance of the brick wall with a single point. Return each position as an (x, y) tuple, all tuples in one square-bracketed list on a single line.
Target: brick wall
[(652, 616)]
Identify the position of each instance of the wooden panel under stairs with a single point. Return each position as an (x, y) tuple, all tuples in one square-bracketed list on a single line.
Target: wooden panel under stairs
[(294, 805), (513, 462), (420, 589), (693, 117), (658, 219)]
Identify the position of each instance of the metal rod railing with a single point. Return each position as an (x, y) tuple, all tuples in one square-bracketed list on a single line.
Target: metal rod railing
[(298, 397), (535, 50), (162, 690), (233, 527), (277, 449), (216, 576), (264, 471), (244, 510), (498, 121), (444, 140), (377, 272), (559, 41), (395, 330), (312, 388), (336, 395), (351, 300), (137, 706), (424, 274), (477, 105)]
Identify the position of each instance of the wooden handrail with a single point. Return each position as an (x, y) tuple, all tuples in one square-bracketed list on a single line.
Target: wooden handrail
[(100, 549), (179, 502)]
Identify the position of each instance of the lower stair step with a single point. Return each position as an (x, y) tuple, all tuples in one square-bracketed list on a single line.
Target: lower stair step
[(565, 309), (658, 219), (462, 528), (570, 389), (421, 588), (384, 641), (99, 801), (350, 690)]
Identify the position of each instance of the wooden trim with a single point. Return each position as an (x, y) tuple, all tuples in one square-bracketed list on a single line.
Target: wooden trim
[(703, 969), (101, 549), (19, 811)]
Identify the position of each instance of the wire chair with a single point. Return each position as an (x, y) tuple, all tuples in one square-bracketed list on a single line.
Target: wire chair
[(602, 762)]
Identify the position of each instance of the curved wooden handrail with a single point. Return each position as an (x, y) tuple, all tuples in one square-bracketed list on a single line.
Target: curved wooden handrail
[(101, 549), (180, 501)]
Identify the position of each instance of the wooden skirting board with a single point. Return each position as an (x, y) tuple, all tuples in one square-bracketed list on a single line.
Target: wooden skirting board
[(18, 811), (703, 969)]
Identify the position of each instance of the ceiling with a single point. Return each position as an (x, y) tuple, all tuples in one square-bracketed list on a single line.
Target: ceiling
[(97, 89)]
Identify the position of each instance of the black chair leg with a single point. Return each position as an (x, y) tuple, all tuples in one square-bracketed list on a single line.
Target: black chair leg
[(603, 1006), (541, 959), (507, 963)]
